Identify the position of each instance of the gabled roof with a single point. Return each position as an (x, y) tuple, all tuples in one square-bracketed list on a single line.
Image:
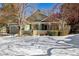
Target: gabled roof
[(37, 16), (52, 18)]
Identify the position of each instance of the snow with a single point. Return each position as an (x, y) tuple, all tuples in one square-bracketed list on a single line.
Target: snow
[(39, 45), (66, 52)]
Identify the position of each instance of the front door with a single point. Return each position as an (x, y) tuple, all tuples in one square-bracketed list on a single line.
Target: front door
[(44, 27)]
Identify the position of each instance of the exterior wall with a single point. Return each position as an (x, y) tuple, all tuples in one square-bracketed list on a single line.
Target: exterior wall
[(65, 31), (3, 30), (39, 32), (27, 29)]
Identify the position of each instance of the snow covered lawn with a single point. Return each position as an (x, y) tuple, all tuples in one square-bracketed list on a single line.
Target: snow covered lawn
[(39, 45)]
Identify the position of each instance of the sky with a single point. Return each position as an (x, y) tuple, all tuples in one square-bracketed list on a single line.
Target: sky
[(45, 5), (40, 6), (50, 6)]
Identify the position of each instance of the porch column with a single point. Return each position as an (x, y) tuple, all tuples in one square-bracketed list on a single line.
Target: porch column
[(39, 26), (49, 26)]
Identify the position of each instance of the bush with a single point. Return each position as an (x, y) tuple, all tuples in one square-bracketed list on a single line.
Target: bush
[(52, 33)]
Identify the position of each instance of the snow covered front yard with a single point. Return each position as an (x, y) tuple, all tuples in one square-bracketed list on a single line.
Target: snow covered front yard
[(39, 45)]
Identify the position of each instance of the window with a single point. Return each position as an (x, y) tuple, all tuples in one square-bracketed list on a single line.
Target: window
[(27, 27)]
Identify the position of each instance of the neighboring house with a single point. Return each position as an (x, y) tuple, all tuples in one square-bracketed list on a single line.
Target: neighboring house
[(8, 26), (40, 24)]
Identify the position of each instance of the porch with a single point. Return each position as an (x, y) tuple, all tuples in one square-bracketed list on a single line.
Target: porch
[(46, 28)]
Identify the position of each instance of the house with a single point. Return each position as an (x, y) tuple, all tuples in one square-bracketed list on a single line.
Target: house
[(40, 24), (36, 24)]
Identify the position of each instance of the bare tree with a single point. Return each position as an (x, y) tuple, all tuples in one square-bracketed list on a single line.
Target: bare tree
[(22, 13)]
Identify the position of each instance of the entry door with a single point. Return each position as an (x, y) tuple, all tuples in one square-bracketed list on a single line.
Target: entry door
[(44, 27)]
